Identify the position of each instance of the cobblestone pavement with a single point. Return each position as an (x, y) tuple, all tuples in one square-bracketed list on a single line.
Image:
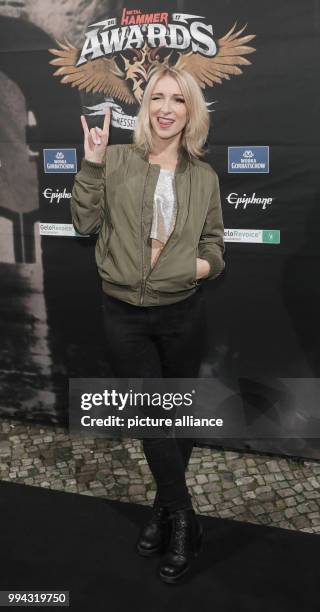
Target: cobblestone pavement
[(248, 487)]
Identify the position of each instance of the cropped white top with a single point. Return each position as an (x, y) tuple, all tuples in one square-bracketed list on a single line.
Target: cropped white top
[(164, 206)]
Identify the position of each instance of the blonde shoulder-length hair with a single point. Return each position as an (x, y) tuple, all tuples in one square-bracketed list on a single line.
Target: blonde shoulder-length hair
[(195, 132)]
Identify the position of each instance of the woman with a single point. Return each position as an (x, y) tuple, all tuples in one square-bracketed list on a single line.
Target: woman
[(156, 207)]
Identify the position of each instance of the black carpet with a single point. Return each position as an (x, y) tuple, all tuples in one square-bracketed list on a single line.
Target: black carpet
[(55, 540)]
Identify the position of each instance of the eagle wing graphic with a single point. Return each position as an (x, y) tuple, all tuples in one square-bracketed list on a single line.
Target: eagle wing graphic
[(211, 70), (99, 75)]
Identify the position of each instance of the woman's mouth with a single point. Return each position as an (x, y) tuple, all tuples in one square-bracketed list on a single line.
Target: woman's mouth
[(165, 123)]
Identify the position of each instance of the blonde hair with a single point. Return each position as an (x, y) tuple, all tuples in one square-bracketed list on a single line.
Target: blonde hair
[(195, 132)]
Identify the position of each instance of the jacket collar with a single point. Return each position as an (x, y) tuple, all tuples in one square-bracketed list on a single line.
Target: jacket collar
[(182, 159)]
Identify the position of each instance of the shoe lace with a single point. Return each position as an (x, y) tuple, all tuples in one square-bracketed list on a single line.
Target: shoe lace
[(179, 535)]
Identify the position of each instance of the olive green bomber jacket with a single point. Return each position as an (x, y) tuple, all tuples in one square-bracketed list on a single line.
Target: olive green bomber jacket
[(114, 199)]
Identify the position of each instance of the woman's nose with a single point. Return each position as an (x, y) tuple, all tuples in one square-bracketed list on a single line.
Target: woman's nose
[(166, 106)]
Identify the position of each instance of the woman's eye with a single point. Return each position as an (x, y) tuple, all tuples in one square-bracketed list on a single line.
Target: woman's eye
[(158, 98)]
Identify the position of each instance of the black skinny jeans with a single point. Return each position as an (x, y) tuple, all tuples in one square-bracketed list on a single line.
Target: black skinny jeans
[(154, 342)]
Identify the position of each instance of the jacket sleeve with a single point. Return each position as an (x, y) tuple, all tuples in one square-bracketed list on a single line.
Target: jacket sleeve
[(211, 244), (88, 197)]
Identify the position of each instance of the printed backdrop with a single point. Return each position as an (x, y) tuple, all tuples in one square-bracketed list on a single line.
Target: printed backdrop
[(257, 65)]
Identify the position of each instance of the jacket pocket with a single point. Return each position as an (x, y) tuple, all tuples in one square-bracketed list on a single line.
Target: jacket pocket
[(195, 255), (175, 275), (108, 255), (117, 265), (106, 246)]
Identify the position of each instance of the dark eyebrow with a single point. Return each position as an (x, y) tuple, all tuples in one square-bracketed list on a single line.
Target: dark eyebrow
[(159, 93)]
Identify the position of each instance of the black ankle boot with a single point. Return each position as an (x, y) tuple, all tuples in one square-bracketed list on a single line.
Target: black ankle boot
[(185, 543), (154, 535)]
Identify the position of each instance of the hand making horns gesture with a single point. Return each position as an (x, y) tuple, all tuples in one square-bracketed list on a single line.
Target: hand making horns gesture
[(96, 139)]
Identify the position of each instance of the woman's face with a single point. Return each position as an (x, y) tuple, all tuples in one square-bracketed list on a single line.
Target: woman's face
[(168, 113)]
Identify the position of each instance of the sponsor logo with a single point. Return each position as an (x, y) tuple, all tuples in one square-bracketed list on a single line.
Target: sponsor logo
[(58, 229), (55, 196), (248, 160), (60, 160), (265, 236), (243, 201), (119, 53)]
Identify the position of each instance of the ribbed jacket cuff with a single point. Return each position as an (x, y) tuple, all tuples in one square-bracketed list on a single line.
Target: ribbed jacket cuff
[(92, 169)]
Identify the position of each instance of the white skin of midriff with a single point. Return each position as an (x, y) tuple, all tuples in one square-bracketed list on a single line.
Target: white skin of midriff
[(168, 117)]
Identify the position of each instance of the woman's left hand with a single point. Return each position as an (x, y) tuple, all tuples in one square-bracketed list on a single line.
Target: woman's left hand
[(203, 268)]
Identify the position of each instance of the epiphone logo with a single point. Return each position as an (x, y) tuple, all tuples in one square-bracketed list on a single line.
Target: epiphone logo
[(244, 200), (56, 195)]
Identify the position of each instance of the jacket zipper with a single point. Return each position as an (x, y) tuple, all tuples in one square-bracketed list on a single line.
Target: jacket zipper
[(171, 235), (143, 280), (106, 246), (110, 230)]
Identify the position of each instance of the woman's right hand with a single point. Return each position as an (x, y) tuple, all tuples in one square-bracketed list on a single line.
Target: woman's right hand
[(96, 140)]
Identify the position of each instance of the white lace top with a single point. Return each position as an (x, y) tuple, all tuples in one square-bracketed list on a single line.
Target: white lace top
[(164, 206)]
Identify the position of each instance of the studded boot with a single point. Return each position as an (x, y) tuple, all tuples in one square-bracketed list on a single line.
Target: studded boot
[(154, 535), (185, 544)]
